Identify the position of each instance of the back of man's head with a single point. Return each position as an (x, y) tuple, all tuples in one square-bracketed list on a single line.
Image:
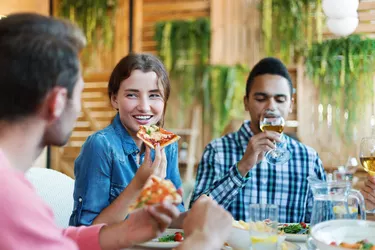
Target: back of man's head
[(268, 65), (37, 53)]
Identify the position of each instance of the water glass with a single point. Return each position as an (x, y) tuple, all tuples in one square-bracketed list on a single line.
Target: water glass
[(263, 226)]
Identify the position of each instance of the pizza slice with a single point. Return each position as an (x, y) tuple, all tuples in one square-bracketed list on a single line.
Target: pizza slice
[(156, 191), (152, 135)]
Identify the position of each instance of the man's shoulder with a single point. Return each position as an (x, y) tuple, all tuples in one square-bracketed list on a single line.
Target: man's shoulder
[(15, 189)]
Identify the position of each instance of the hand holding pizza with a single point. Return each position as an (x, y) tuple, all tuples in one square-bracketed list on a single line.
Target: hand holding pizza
[(142, 225), (148, 166), (161, 170)]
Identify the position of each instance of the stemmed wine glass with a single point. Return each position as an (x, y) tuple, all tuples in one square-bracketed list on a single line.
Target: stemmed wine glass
[(367, 154), (367, 157), (272, 121)]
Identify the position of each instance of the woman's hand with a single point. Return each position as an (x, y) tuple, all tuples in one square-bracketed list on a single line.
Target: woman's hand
[(161, 170), (148, 166)]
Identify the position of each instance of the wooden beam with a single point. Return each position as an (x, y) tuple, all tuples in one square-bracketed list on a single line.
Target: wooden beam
[(366, 6), (121, 47), (137, 25), (176, 6), (366, 16), (97, 76), (87, 114), (155, 17)]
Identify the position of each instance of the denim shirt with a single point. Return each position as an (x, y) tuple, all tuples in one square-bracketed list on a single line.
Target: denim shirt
[(106, 165)]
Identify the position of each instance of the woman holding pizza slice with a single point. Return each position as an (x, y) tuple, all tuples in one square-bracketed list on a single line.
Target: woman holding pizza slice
[(114, 163)]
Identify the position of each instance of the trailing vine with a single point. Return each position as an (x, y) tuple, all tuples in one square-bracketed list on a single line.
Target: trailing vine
[(223, 88), (95, 17), (290, 26), (183, 46), (342, 70)]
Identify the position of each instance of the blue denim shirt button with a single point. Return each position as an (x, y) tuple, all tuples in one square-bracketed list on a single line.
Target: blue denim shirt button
[(80, 199)]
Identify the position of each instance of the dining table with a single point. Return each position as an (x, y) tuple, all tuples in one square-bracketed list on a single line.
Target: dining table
[(302, 245)]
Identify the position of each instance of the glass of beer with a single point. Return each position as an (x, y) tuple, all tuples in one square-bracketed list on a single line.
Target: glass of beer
[(271, 121)]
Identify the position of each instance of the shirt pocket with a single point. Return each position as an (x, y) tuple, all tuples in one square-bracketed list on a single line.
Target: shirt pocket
[(115, 191)]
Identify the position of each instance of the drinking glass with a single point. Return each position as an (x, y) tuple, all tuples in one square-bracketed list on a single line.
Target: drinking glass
[(263, 226), (270, 121), (367, 157)]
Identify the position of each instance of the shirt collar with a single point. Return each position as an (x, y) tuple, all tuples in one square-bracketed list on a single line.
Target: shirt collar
[(128, 143)]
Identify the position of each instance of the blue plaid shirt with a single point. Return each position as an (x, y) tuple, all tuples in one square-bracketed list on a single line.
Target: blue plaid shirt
[(283, 184)]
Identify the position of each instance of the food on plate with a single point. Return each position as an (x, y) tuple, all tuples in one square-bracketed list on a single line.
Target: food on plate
[(156, 191), (294, 228), (177, 236), (362, 245), (257, 226), (240, 224), (152, 135)]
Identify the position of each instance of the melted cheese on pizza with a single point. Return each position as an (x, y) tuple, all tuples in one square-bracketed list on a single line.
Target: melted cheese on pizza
[(153, 133), (157, 136)]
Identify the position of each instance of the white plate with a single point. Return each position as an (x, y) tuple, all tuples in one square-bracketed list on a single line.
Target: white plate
[(296, 237), (292, 246), (162, 245)]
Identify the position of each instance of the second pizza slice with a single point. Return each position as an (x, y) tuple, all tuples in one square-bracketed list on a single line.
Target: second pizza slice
[(156, 191)]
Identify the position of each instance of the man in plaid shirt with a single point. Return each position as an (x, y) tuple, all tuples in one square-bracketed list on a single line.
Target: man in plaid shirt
[(232, 170)]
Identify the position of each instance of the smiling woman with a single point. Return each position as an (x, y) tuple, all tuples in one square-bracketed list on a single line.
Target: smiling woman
[(114, 163)]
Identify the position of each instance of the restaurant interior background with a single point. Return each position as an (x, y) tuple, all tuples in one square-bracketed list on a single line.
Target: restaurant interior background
[(209, 48)]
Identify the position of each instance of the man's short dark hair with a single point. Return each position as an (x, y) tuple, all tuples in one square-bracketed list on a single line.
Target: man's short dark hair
[(268, 65), (32, 62)]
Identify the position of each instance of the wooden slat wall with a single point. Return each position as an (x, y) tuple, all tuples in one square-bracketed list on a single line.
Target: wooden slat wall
[(236, 32), (148, 12)]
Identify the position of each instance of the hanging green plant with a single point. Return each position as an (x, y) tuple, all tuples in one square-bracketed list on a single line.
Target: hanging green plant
[(342, 69), (183, 46), (289, 26), (223, 88), (95, 17)]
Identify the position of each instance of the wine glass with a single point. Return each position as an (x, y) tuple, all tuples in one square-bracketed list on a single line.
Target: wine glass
[(367, 154), (367, 157), (271, 121)]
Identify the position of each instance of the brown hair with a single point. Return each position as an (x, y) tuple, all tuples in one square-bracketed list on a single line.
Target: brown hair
[(145, 63), (30, 44)]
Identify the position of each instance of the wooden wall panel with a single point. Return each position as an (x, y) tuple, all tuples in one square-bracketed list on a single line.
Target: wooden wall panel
[(148, 12), (37, 6), (236, 32)]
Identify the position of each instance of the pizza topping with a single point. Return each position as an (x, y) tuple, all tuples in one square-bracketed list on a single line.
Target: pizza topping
[(151, 129), (156, 191), (153, 135)]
